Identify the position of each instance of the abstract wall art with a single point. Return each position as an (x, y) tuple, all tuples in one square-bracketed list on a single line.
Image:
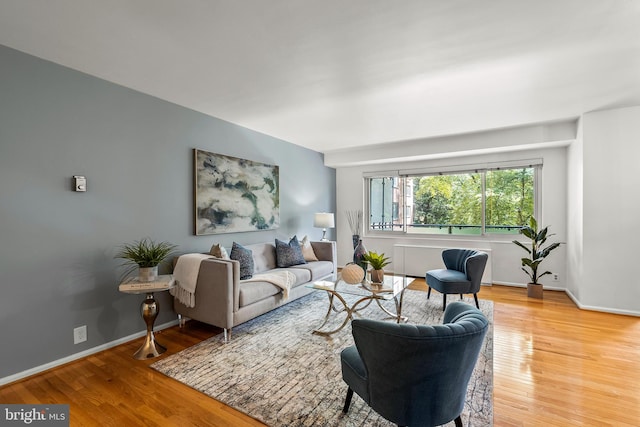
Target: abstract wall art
[(234, 195)]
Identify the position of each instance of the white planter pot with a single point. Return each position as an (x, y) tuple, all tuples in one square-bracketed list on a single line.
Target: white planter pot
[(147, 274)]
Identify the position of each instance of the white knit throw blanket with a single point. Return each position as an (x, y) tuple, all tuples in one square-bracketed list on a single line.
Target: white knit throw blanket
[(282, 279), (185, 274)]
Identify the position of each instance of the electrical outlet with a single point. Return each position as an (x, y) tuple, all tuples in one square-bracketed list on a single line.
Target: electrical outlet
[(555, 278), (80, 334)]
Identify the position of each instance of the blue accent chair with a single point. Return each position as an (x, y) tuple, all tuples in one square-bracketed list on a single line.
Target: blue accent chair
[(462, 275), (415, 375)]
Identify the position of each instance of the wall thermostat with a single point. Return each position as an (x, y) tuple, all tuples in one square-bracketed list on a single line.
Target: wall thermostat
[(79, 183)]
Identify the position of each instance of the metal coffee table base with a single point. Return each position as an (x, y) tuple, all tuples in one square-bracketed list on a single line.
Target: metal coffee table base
[(350, 311)]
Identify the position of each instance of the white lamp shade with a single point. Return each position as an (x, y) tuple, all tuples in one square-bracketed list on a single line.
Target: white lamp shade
[(324, 220)]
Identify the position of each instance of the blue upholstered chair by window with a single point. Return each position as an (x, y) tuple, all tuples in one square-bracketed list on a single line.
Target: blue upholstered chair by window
[(462, 275), (415, 375)]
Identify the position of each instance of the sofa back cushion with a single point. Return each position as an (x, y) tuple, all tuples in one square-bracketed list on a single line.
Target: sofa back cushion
[(264, 256)]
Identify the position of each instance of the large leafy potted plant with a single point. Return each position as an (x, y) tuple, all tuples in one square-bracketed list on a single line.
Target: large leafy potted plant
[(537, 253), (377, 263), (145, 255)]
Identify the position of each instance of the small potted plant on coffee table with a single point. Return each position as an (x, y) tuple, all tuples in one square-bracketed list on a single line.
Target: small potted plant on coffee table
[(537, 254), (145, 255), (377, 263)]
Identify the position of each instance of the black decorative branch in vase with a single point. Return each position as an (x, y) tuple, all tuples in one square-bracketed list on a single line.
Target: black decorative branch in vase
[(355, 224)]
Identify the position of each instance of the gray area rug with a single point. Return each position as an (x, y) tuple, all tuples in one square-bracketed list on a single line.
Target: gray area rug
[(277, 371)]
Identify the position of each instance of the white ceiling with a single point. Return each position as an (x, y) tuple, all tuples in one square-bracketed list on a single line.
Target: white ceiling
[(333, 74)]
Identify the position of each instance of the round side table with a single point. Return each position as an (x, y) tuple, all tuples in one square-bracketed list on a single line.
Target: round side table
[(149, 309)]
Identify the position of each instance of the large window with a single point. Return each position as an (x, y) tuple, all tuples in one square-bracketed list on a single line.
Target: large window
[(509, 199), (386, 205), (476, 202)]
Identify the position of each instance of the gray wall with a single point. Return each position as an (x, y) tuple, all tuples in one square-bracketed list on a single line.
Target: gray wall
[(57, 269)]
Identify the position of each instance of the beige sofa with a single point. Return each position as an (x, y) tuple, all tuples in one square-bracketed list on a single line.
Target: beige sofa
[(223, 300)]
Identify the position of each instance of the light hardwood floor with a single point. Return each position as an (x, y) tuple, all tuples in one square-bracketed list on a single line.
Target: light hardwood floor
[(554, 365)]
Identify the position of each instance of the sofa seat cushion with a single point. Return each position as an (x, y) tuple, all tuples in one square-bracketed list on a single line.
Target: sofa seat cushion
[(251, 292), (317, 269), (302, 275)]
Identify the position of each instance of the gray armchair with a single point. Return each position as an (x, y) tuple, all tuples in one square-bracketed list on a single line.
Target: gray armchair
[(462, 275), (415, 375)]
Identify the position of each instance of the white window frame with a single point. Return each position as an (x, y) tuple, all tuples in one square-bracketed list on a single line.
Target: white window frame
[(403, 175)]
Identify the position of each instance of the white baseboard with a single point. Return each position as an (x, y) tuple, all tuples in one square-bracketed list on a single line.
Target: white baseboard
[(524, 285), (575, 300), (512, 284), (601, 309), (80, 355)]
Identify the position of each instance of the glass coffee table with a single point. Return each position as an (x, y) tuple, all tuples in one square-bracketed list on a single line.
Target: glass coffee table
[(392, 289)]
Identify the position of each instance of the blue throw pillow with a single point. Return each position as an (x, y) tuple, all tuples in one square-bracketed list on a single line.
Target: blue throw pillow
[(288, 254), (245, 257)]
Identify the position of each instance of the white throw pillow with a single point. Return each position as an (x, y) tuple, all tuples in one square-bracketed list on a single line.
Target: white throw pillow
[(219, 251), (307, 250)]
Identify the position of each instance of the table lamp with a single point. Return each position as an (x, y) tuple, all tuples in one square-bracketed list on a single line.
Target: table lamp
[(324, 220)]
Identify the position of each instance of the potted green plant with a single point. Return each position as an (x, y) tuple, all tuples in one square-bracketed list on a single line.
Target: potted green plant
[(377, 263), (145, 255), (537, 253)]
